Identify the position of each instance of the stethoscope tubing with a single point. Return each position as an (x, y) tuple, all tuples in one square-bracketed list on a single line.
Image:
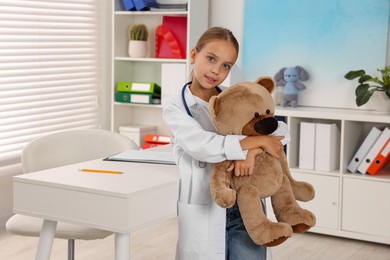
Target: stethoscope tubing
[(184, 99)]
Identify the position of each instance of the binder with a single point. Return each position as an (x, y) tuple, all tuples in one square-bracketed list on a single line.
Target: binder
[(381, 160), (147, 145), (373, 152), (363, 149), (307, 145), (327, 147), (144, 5), (161, 139), (139, 98), (139, 87), (128, 5)]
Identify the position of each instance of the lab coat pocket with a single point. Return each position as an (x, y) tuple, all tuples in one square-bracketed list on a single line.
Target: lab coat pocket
[(193, 230)]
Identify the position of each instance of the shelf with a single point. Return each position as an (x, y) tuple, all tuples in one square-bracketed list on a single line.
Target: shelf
[(150, 69), (150, 13), (162, 60), (334, 114), (138, 105), (383, 176), (340, 195)]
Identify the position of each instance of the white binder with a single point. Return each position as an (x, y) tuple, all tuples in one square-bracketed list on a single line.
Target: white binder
[(375, 149), (363, 149), (307, 145), (327, 147)]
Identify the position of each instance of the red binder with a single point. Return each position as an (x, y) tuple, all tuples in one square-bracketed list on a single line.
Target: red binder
[(160, 139), (381, 159), (171, 37)]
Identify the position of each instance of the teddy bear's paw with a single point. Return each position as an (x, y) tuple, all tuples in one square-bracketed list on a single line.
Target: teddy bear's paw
[(308, 221), (300, 219), (272, 234), (225, 199)]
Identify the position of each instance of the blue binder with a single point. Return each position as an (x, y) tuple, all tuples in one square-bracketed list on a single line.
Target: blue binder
[(128, 5)]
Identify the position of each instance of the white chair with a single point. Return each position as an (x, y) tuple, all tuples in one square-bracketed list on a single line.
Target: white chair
[(60, 149)]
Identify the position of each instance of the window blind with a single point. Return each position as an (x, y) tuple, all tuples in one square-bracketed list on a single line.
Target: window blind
[(49, 61)]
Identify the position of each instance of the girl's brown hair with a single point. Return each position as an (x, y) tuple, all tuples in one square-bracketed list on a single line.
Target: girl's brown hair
[(216, 33)]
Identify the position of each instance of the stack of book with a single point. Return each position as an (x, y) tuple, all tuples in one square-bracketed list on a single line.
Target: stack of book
[(138, 92), (373, 154)]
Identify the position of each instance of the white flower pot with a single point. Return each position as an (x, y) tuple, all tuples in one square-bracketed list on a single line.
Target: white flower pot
[(138, 49), (379, 102)]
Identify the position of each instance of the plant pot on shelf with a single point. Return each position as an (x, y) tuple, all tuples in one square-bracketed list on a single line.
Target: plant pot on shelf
[(138, 36), (379, 103), (138, 49)]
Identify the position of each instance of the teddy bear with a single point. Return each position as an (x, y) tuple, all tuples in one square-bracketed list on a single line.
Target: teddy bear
[(290, 78), (247, 108)]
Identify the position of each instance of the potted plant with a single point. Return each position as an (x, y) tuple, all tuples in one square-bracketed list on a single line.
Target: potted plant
[(138, 36), (368, 85)]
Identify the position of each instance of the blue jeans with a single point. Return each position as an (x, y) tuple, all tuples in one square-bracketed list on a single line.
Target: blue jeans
[(238, 243)]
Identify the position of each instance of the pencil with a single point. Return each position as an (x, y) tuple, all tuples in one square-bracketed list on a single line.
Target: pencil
[(101, 171)]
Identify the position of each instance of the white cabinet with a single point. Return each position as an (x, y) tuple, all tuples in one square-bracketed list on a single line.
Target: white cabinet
[(346, 204), (125, 68)]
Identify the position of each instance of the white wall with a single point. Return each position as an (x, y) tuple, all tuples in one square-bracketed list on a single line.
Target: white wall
[(229, 14)]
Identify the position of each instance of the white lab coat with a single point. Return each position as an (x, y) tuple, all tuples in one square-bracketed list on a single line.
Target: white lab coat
[(202, 222)]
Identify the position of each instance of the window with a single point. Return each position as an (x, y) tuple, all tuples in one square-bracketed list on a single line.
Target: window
[(49, 69)]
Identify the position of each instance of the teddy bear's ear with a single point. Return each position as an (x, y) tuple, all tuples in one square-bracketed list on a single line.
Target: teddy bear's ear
[(214, 105), (267, 82)]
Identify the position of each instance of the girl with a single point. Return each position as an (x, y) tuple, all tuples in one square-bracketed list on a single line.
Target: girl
[(202, 223)]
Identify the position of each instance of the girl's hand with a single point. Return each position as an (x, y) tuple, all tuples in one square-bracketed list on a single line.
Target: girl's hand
[(272, 145), (245, 167)]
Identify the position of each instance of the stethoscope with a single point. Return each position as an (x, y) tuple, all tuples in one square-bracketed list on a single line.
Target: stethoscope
[(201, 164), (184, 99)]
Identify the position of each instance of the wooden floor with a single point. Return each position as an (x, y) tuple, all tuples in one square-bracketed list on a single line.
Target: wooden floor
[(159, 241)]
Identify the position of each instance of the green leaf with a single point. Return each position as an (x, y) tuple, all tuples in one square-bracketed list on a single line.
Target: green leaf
[(365, 78), (363, 94), (353, 74)]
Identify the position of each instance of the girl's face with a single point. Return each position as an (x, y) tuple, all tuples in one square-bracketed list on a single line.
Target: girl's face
[(213, 63)]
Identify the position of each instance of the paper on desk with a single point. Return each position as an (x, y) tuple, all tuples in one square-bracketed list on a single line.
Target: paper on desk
[(144, 156)]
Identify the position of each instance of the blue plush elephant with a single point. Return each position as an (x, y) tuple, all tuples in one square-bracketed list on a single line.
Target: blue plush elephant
[(290, 78)]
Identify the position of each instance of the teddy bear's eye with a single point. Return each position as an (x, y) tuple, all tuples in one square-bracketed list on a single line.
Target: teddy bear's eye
[(268, 111), (257, 114)]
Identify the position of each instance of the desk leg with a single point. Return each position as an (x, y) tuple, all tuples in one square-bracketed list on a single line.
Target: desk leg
[(46, 238), (122, 246)]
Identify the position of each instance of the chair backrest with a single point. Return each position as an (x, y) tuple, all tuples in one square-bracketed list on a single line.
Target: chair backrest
[(72, 146)]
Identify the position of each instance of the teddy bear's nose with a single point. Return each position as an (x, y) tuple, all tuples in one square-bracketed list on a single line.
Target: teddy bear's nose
[(266, 126)]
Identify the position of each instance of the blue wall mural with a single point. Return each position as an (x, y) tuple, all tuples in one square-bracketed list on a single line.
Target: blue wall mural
[(328, 38)]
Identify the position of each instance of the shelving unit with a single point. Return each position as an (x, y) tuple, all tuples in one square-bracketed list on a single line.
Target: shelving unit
[(347, 204), (125, 68)]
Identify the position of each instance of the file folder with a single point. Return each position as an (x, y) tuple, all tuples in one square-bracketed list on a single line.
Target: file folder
[(128, 5), (139, 87), (381, 160), (144, 5), (375, 149), (139, 98), (363, 149), (327, 147), (307, 145)]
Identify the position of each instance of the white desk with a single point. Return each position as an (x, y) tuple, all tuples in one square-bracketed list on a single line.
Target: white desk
[(122, 203)]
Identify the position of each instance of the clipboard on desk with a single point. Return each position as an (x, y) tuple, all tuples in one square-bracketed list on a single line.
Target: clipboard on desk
[(144, 156)]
